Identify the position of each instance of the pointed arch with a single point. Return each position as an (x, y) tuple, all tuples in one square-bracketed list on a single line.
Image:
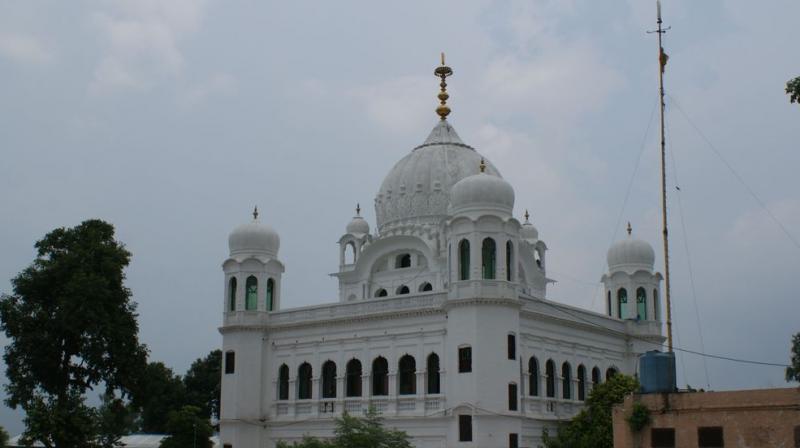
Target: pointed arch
[(353, 378), (566, 381), (610, 372), (641, 304), (402, 290), (425, 287), (509, 260), (550, 372), (596, 376), (381, 293), (304, 381), (463, 260), (533, 377), (407, 370), (283, 382), (232, 294), (380, 376), (251, 293), (432, 368), (622, 301), (489, 259), (581, 383)]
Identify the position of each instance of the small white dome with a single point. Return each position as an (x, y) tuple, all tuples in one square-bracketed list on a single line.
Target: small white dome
[(630, 253), (358, 226), (254, 237), (482, 189), (528, 231)]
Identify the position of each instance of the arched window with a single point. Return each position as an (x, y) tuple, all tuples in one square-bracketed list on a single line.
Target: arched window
[(403, 261), (380, 376), (581, 383), (402, 290), (433, 374), (232, 294), (489, 258), (533, 377), (608, 303), (566, 381), (463, 260), (329, 379), (283, 382), (622, 300), (595, 376), (425, 287), (655, 304), (353, 378), (349, 253), (509, 259), (251, 294), (270, 294), (407, 368), (610, 373), (304, 381), (381, 293), (550, 372), (641, 304)]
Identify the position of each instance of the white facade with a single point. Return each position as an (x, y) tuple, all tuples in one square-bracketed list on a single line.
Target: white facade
[(450, 272)]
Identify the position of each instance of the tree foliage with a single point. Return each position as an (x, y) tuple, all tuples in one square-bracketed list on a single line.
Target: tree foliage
[(162, 392), (793, 370), (793, 90), (188, 427), (592, 427), (354, 432), (72, 327), (202, 383), (3, 437)]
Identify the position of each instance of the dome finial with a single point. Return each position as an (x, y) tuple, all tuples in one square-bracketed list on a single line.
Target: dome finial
[(630, 229), (255, 213), (443, 71), (482, 166), (527, 215), (358, 209)]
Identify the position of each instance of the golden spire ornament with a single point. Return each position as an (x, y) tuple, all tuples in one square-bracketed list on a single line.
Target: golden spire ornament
[(482, 166), (630, 229), (255, 213), (527, 216), (358, 209), (443, 71)]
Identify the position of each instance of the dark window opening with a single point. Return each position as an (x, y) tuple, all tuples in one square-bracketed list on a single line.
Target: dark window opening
[(512, 347), (251, 293), (581, 383), (512, 397), (797, 437), (513, 440), (270, 295), (622, 301), (566, 381), (403, 261), (283, 382), (408, 375), (610, 373), (550, 372), (595, 376), (425, 287), (232, 294), (304, 381), (353, 378), (380, 376), (230, 362), (381, 293), (463, 260), (533, 378), (662, 437), (710, 437), (329, 379), (465, 428), (509, 259), (433, 374), (402, 290), (489, 259), (465, 359)]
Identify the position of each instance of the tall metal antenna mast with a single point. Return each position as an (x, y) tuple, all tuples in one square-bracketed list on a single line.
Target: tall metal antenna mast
[(662, 62)]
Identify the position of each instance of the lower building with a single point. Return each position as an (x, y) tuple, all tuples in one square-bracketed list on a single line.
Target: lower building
[(760, 418)]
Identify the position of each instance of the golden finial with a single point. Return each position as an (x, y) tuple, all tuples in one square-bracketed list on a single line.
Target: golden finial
[(482, 166), (255, 213), (527, 215), (630, 229), (443, 72), (358, 209)]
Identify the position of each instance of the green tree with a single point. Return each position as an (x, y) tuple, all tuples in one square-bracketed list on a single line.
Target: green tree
[(793, 90), (162, 393), (3, 437), (116, 418), (72, 326), (354, 432), (793, 371), (592, 427), (188, 427), (202, 383)]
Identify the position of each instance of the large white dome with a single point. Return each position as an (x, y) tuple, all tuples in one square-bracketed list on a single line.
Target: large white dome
[(417, 189), (254, 238), (630, 253)]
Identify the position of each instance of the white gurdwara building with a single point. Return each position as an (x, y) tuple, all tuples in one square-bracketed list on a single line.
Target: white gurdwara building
[(442, 326)]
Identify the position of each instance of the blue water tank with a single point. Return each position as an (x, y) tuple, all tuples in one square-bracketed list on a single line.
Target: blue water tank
[(657, 372)]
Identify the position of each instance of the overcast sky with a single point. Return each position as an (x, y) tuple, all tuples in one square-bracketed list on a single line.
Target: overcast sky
[(171, 119)]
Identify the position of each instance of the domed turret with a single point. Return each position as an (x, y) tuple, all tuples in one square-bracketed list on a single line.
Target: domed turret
[(254, 237), (630, 253), (528, 231), (357, 226), (482, 190)]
